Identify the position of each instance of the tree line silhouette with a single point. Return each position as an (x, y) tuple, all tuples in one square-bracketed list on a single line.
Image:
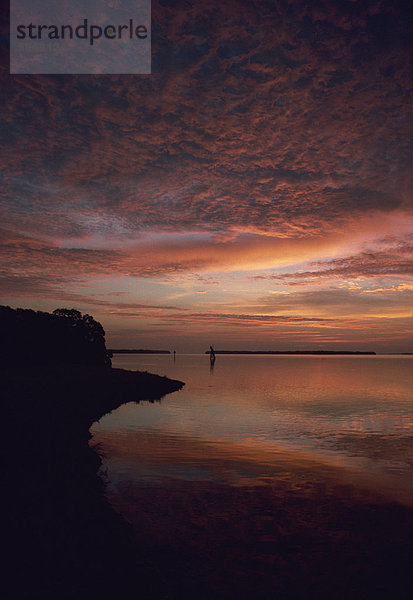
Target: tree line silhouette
[(65, 336)]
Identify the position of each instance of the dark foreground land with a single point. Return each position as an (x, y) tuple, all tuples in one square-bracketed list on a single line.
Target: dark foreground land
[(64, 541)]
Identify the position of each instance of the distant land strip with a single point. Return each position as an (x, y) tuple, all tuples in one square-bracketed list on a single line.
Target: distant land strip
[(137, 351), (317, 352)]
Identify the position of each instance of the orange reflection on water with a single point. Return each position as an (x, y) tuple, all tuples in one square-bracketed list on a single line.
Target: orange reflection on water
[(270, 420), (265, 468)]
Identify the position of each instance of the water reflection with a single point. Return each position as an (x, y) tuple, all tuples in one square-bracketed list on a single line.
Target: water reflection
[(272, 467), (348, 419)]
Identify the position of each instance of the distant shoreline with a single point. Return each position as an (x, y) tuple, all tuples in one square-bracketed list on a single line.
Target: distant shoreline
[(136, 351), (316, 352)]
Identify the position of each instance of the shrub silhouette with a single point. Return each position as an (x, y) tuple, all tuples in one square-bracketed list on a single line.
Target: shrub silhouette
[(65, 336)]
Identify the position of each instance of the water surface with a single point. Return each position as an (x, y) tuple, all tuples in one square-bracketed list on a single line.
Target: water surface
[(265, 461)]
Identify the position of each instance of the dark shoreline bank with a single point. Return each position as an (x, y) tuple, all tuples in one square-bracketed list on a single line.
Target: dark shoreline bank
[(64, 539)]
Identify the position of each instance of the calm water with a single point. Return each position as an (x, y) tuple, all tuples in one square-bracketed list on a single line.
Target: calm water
[(258, 450), (253, 415)]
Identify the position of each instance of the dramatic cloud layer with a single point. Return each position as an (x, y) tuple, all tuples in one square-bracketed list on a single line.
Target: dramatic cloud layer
[(264, 167)]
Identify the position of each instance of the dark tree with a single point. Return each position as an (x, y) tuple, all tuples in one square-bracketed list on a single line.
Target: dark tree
[(39, 338)]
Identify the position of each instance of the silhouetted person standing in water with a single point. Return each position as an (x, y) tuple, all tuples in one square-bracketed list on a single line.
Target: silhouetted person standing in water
[(211, 358)]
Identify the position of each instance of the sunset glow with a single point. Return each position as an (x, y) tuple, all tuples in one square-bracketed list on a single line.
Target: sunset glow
[(254, 192)]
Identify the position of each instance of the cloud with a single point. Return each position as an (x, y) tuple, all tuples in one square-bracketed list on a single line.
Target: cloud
[(393, 262), (337, 302), (271, 139), (281, 116)]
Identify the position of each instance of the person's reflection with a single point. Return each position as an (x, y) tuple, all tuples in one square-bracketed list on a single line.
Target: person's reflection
[(211, 358)]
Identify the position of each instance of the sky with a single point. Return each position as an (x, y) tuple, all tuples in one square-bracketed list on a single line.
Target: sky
[(253, 192)]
